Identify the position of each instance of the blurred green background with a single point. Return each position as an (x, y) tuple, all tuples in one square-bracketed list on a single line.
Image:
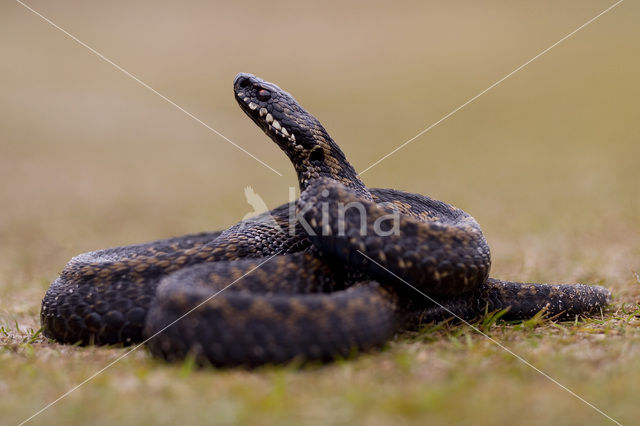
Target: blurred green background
[(548, 161)]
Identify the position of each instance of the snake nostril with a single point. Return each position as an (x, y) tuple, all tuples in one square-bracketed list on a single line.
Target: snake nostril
[(243, 82)]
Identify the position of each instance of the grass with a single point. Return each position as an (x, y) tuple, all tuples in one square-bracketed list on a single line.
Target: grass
[(443, 373), (547, 162)]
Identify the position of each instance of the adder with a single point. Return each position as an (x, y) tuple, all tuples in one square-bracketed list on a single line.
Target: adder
[(341, 269)]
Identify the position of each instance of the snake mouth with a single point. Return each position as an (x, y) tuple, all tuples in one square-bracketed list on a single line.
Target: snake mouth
[(248, 90)]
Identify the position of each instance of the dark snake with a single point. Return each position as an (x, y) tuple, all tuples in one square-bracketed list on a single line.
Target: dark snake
[(340, 270)]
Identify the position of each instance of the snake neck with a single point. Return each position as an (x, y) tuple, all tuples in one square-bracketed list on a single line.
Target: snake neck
[(320, 157), (298, 133)]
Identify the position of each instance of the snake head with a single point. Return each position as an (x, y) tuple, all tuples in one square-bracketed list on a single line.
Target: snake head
[(275, 111), (298, 133)]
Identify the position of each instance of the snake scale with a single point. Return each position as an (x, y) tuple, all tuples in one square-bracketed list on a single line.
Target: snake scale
[(310, 280)]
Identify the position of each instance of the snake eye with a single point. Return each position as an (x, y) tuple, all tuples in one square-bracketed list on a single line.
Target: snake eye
[(264, 95)]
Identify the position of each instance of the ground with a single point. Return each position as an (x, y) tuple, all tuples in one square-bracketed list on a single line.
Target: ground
[(547, 161)]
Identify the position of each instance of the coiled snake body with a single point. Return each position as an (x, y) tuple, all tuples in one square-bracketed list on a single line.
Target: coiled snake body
[(346, 271)]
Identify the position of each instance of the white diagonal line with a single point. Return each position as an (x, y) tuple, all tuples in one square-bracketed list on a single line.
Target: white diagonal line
[(88, 379), (500, 345), (145, 85), (492, 86)]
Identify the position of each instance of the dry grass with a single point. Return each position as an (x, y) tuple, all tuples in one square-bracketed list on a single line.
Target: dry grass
[(548, 162)]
